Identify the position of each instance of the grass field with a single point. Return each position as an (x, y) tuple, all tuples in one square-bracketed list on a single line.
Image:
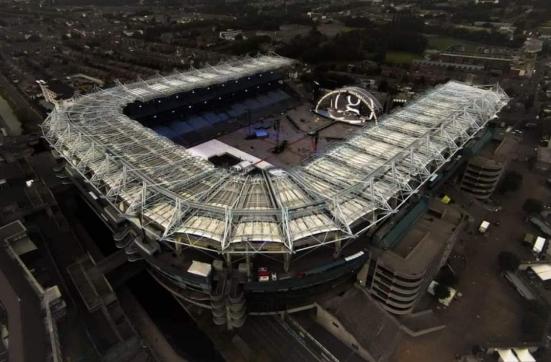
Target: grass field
[(400, 57), (435, 42), (443, 43)]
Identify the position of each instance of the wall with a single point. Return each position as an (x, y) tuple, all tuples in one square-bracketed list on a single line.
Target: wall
[(332, 324)]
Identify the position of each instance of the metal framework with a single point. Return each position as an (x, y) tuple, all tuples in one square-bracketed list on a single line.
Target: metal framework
[(182, 200), (350, 111)]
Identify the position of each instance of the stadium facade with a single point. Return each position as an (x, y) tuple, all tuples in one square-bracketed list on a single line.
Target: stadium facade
[(171, 208)]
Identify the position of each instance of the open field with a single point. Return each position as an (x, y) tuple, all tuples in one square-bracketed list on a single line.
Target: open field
[(401, 57), (444, 42)]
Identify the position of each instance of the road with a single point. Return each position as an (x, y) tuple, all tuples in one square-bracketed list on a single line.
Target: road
[(8, 119), (274, 342)]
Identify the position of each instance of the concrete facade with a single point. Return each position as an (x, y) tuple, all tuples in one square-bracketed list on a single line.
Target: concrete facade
[(543, 159), (396, 278), (359, 322), (481, 177), (484, 171)]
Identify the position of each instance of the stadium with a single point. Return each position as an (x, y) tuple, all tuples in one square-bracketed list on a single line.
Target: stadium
[(132, 149)]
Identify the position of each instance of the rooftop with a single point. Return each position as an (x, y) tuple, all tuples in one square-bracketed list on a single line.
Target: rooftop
[(373, 328), (544, 154), (186, 199), (28, 340), (425, 240)]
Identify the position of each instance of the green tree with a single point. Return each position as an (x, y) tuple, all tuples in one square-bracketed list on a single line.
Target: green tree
[(532, 206), (508, 261), (534, 321), (529, 102), (511, 181), (441, 291), (446, 277)]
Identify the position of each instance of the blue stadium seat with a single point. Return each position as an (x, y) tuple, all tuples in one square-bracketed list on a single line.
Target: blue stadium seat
[(180, 127), (198, 123), (237, 110), (265, 100), (222, 117), (281, 95), (165, 131), (210, 117), (252, 104)]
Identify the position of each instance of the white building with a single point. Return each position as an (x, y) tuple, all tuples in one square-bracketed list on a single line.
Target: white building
[(230, 34)]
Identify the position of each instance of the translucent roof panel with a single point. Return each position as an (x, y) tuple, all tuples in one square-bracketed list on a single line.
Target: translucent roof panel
[(186, 199)]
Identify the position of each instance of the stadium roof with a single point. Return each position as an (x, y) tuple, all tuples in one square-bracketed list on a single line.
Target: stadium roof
[(183, 199)]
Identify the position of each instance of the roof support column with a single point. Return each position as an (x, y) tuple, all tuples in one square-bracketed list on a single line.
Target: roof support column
[(248, 262), (286, 262), (338, 249), (227, 257)]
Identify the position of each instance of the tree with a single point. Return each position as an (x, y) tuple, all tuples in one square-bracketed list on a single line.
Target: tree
[(534, 321), (511, 92), (476, 350), (446, 277), (529, 102), (383, 86), (508, 261), (531, 206), (511, 181), (441, 291)]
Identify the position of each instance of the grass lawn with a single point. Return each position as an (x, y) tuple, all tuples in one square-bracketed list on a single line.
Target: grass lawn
[(444, 42), (400, 57)]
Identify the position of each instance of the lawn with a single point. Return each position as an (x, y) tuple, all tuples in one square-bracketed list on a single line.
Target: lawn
[(444, 42), (400, 57)]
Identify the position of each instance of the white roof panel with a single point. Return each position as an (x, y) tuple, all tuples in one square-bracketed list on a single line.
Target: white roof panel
[(209, 75), (223, 70), (200, 268), (543, 271), (308, 203), (139, 91), (159, 87), (524, 355), (507, 355), (538, 245), (215, 147), (191, 79), (175, 82)]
